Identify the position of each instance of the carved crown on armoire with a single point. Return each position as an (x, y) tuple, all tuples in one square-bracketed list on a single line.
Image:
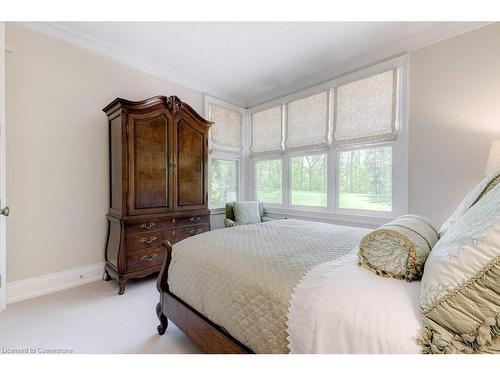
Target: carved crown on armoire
[(158, 151)]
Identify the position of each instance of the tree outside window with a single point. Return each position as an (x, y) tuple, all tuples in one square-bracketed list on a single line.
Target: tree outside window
[(224, 181)]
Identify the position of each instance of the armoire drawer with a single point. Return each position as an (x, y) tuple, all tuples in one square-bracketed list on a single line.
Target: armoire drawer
[(146, 258), (190, 220), (144, 240), (166, 223), (178, 234)]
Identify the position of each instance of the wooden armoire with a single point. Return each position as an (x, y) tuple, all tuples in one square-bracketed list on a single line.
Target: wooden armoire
[(158, 175)]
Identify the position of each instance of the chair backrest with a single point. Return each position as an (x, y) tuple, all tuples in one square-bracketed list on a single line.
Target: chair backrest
[(230, 210)]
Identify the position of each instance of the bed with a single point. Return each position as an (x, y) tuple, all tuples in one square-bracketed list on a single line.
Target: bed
[(268, 288)]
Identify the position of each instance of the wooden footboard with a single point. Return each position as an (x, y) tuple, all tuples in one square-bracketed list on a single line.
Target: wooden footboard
[(205, 334)]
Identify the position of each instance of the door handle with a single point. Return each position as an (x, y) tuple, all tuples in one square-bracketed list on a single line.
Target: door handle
[(5, 211)]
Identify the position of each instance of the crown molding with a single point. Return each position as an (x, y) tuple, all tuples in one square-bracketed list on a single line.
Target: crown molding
[(60, 32), (439, 33)]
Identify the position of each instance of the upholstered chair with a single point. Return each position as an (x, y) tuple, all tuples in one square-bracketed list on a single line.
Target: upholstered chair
[(230, 220)]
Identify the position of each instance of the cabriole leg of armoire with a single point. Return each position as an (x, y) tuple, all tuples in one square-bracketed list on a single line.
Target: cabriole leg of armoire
[(122, 284), (106, 276)]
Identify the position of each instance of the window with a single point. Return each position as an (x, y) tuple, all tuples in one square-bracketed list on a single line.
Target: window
[(268, 181), (225, 147), (365, 179), (309, 180), (339, 148), (224, 181), (365, 113)]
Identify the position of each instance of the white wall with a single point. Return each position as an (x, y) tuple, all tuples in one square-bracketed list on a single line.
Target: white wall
[(454, 116), (57, 150)]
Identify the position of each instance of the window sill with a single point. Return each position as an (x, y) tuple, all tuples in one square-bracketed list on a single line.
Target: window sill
[(367, 221), (217, 210)]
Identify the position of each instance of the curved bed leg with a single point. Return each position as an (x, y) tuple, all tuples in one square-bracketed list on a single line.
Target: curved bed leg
[(163, 320)]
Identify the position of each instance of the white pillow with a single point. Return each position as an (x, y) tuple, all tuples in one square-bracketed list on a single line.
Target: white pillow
[(487, 184), (246, 212)]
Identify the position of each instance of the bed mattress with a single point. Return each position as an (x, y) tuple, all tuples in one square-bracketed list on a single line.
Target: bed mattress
[(242, 278)]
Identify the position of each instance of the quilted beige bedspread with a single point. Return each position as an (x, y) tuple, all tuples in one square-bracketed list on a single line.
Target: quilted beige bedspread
[(242, 278)]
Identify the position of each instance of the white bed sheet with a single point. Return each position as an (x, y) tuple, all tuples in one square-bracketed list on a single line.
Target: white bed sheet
[(340, 307)]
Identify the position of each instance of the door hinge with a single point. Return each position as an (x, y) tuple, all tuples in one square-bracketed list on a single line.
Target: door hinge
[(4, 210)]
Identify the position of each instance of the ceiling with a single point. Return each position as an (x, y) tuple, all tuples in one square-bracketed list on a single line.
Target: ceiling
[(250, 63)]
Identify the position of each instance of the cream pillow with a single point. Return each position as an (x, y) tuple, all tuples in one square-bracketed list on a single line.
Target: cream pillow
[(470, 199), (246, 212), (460, 290), (399, 248)]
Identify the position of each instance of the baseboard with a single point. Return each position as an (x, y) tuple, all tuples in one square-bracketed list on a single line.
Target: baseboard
[(52, 282)]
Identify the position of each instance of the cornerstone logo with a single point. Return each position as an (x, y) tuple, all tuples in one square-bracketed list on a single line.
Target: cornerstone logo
[(35, 350)]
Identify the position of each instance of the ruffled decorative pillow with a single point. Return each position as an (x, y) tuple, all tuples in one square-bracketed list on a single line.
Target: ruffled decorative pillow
[(399, 248), (470, 199), (460, 292)]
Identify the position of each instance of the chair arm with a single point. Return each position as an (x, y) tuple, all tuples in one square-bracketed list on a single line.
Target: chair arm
[(228, 223)]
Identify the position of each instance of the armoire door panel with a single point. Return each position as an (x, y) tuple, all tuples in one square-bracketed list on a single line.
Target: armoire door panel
[(190, 185), (150, 139), (116, 164)]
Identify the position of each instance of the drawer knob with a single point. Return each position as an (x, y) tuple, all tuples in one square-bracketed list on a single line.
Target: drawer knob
[(147, 225), (195, 219), (148, 240), (192, 232), (149, 258), (173, 221)]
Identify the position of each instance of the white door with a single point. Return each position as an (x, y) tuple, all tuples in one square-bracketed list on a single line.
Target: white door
[(4, 211)]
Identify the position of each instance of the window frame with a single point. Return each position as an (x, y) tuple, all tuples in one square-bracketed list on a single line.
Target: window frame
[(229, 156), (399, 152)]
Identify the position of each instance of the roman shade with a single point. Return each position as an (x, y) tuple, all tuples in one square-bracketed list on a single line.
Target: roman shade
[(365, 110), (266, 132), (225, 133), (307, 125)]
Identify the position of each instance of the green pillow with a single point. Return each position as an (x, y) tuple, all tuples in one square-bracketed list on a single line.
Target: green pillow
[(246, 212), (399, 248)]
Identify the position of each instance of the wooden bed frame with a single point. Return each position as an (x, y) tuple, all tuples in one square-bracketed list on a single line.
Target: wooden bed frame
[(205, 334)]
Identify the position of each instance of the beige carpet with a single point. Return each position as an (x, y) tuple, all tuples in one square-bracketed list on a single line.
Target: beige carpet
[(92, 319)]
